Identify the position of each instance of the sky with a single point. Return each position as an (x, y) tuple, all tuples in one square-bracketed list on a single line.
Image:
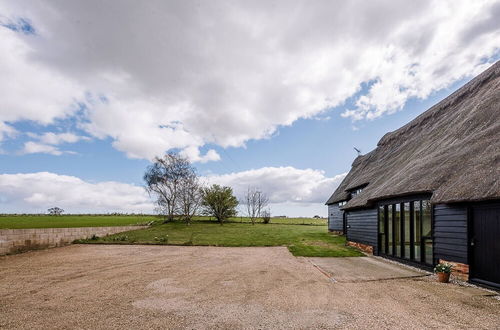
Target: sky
[(272, 95)]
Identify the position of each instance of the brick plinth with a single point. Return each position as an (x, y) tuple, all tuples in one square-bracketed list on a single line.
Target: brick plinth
[(336, 232), (459, 271), (363, 247)]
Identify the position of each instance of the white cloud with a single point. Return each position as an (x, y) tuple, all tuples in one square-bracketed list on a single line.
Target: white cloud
[(46, 143), (180, 75), (29, 89), (193, 153), (58, 138), (6, 131), (292, 191), (282, 184), (31, 147), (35, 192)]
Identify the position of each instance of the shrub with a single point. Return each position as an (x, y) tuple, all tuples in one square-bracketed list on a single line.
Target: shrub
[(266, 216)]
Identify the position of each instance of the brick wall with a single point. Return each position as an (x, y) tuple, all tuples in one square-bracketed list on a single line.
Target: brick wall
[(363, 247), (20, 240), (459, 271)]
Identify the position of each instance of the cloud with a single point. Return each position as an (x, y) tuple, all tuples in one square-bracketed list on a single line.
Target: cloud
[(194, 155), (35, 192), (58, 138), (292, 191), (7, 131), (282, 184), (47, 142), (181, 75), (31, 147)]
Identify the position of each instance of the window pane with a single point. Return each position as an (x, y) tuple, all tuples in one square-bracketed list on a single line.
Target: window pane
[(397, 229), (381, 229), (417, 229), (426, 219), (381, 220), (427, 230), (389, 228), (407, 230)]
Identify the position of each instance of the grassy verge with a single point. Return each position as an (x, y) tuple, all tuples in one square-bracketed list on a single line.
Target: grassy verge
[(311, 241)]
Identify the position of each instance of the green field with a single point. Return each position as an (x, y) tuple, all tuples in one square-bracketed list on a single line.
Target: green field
[(311, 241), (69, 221)]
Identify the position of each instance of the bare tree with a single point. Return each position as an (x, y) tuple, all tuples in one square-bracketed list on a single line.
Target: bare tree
[(55, 210), (190, 197), (255, 202), (164, 179)]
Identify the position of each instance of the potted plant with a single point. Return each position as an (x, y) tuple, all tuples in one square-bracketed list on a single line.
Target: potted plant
[(443, 271)]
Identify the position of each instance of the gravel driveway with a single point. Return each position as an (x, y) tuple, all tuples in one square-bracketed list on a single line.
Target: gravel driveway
[(98, 286)]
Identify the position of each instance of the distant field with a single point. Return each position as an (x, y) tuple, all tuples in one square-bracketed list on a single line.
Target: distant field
[(69, 221), (308, 241)]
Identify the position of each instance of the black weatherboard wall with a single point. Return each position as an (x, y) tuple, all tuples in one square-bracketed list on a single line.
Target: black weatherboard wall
[(362, 227), (335, 217), (450, 232)]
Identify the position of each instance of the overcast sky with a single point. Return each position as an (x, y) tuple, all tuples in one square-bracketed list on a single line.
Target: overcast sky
[(269, 94)]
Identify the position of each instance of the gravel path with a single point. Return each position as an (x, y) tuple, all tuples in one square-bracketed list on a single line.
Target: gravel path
[(128, 287)]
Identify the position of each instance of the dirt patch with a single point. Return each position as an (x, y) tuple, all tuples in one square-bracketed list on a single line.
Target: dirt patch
[(160, 287)]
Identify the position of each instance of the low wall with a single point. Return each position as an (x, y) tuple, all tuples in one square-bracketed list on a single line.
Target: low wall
[(20, 240), (363, 247), (459, 271)]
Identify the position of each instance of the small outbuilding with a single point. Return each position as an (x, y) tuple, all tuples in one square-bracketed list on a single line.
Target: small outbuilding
[(430, 191)]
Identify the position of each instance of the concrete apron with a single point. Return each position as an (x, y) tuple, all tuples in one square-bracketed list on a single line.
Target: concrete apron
[(364, 269)]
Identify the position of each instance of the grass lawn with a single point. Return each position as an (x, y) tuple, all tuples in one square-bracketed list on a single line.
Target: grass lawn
[(310, 241), (86, 220)]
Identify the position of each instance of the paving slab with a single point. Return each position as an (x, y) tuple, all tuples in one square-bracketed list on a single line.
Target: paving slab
[(362, 269)]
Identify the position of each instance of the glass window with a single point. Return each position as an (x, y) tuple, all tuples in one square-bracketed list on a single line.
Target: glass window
[(406, 238), (389, 229), (417, 229), (427, 231), (405, 231), (381, 229), (397, 229)]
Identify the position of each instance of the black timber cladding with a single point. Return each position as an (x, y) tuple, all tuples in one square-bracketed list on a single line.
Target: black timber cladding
[(335, 217), (362, 227), (450, 232)]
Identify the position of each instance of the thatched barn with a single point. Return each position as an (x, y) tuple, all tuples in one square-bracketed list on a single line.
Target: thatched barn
[(430, 191)]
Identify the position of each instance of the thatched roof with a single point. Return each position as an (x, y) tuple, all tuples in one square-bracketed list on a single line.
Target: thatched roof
[(452, 151)]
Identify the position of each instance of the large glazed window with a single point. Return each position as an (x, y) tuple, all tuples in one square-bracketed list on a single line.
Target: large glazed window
[(405, 231)]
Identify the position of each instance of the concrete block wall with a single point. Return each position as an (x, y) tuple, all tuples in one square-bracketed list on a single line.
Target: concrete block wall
[(20, 240)]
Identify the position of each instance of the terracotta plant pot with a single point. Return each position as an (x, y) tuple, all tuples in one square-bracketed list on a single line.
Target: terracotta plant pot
[(443, 277)]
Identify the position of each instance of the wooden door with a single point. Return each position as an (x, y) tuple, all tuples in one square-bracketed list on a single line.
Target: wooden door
[(485, 244)]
